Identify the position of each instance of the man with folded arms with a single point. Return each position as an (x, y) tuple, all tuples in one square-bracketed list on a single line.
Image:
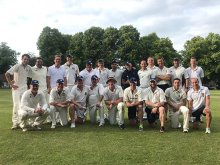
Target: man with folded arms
[(33, 105)]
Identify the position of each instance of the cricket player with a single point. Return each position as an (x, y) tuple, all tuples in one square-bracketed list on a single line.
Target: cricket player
[(59, 102), (20, 73), (199, 103), (113, 97), (95, 98), (133, 100), (176, 99), (155, 100), (79, 98), (33, 106), (103, 72)]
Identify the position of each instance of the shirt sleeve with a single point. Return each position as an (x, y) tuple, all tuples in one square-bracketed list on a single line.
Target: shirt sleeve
[(24, 103), (13, 69)]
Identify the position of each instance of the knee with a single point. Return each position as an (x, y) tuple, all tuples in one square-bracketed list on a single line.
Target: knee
[(23, 115), (120, 106), (184, 109), (162, 110)]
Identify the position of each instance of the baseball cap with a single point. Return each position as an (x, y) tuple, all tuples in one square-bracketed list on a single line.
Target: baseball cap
[(114, 61), (133, 80), (70, 56), (89, 62), (128, 63), (79, 78), (175, 59), (153, 79), (34, 82), (111, 79), (60, 81), (94, 77)]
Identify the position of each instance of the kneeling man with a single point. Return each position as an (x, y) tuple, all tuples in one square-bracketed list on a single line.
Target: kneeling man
[(33, 106), (176, 99)]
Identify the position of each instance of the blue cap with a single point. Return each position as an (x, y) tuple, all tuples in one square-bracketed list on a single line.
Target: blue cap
[(60, 81), (153, 79), (128, 63), (94, 77), (89, 62), (79, 78), (114, 61), (34, 82), (133, 80)]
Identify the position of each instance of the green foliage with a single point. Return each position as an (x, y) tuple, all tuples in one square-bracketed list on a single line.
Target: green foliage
[(8, 57), (90, 144), (50, 43), (207, 52)]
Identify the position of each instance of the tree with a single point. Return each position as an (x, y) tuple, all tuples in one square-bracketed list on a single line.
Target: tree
[(50, 43), (8, 57), (128, 43), (207, 52)]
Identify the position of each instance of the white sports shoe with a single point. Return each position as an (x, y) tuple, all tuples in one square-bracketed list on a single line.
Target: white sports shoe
[(101, 124), (53, 127), (73, 125), (185, 130), (207, 131), (24, 129)]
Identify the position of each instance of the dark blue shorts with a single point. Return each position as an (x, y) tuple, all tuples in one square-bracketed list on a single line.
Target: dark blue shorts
[(197, 114)]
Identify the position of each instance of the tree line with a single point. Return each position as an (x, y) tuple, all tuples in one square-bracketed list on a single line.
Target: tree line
[(124, 44)]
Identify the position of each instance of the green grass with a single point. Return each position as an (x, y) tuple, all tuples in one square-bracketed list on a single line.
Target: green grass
[(89, 144)]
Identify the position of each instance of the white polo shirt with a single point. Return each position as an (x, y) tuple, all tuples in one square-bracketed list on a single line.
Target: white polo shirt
[(117, 75), (195, 73), (155, 97), (198, 97), (87, 76), (145, 76), (20, 74), (113, 95), (29, 102), (80, 96), (175, 96), (178, 72), (56, 97), (162, 72), (40, 74), (134, 96), (71, 72), (95, 94), (55, 73), (103, 75)]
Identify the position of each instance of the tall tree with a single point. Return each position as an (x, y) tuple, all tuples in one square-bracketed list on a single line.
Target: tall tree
[(128, 43), (8, 57), (50, 42)]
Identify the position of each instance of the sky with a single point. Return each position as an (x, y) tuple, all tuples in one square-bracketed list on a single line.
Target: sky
[(22, 21)]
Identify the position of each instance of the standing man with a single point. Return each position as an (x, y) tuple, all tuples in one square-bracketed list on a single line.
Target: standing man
[(162, 75), (103, 72), (20, 73), (144, 75), (59, 102), (199, 103), (79, 98), (177, 71), (39, 73), (88, 72), (151, 66), (95, 101), (128, 74), (33, 105), (115, 72), (154, 98), (113, 97), (176, 99), (194, 71), (72, 71), (56, 72), (133, 100)]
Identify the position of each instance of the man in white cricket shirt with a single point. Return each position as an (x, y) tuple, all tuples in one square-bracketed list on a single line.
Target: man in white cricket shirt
[(20, 73)]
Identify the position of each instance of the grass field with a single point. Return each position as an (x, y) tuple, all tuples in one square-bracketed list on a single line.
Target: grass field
[(89, 144)]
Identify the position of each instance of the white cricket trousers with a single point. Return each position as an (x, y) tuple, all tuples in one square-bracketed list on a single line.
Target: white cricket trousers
[(93, 113), (117, 111), (38, 119), (62, 113), (175, 117), (16, 97)]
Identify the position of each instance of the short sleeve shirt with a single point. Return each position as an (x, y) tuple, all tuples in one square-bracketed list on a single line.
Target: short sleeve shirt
[(117, 75), (113, 95), (155, 97), (179, 72), (134, 96), (195, 73), (87, 76), (40, 74), (198, 97), (103, 75), (80, 96), (175, 96), (71, 72), (162, 72), (63, 96)]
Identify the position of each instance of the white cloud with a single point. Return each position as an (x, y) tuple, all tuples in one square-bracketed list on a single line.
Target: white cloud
[(23, 20)]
